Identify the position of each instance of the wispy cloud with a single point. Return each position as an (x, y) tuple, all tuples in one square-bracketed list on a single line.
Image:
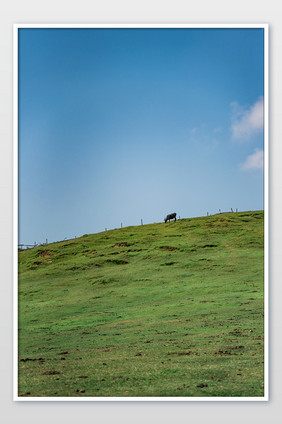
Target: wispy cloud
[(247, 122), (193, 130), (254, 161)]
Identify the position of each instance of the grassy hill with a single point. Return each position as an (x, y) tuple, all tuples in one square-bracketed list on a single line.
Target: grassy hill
[(170, 309)]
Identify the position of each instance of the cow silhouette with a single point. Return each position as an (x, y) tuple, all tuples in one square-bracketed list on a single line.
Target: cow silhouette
[(170, 216)]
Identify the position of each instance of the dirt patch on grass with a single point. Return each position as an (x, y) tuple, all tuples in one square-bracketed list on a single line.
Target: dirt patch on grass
[(43, 262), (169, 248), (43, 253), (121, 244), (37, 263), (66, 245)]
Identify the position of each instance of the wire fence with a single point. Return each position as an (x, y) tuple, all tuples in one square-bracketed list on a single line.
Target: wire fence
[(30, 246), (22, 246)]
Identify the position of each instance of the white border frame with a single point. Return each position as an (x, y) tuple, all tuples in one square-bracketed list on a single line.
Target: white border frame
[(265, 27)]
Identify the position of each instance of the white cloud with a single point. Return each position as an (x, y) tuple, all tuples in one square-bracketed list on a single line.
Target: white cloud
[(254, 161), (247, 122)]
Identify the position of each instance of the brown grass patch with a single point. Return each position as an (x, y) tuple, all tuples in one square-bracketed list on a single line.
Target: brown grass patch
[(169, 248), (44, 253), (121, 244)]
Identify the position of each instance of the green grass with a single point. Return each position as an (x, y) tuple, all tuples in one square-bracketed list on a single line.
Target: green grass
[(170, 309)]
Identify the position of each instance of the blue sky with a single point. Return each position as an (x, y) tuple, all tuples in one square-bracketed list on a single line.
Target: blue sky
[(119, 125)]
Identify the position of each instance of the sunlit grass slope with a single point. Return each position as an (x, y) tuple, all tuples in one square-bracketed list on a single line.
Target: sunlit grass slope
[(170, 309)]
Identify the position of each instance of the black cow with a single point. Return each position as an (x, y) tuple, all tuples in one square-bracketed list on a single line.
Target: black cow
[(170, 216)]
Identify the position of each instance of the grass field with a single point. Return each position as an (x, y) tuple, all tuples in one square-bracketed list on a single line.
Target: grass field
[(173, 309)]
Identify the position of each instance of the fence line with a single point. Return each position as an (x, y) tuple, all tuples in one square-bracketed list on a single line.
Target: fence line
[(23, 246)]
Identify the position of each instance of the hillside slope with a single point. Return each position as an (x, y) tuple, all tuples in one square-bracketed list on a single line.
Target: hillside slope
[(170, 309)]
